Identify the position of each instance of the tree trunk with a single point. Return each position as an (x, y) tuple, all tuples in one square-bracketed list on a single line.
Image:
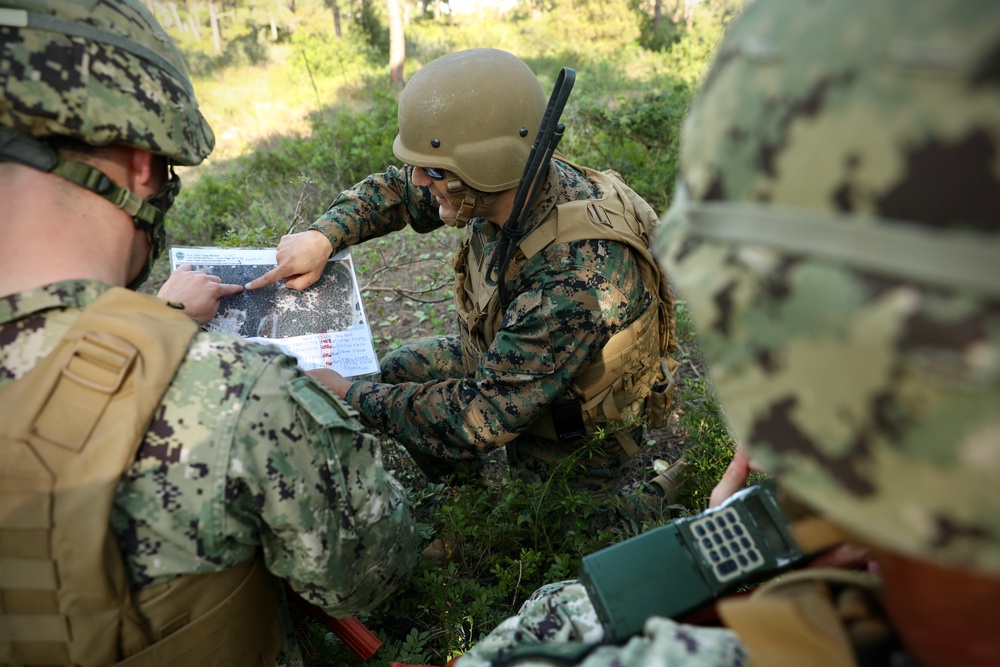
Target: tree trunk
[(397, 42), (216, 30), (194, 19), (335, 8), (689, 12)]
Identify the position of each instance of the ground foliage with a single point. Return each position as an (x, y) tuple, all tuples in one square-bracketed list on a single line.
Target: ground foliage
[(300, 115)]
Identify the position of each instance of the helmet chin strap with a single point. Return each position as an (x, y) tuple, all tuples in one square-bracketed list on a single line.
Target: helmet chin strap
[(147, 214), (464, 199)]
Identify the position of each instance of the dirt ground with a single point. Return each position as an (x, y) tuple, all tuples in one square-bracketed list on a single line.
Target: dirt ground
[(394, 315), (665, 444)]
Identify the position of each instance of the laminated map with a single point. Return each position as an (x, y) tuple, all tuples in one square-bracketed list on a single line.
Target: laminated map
[(323, 326)]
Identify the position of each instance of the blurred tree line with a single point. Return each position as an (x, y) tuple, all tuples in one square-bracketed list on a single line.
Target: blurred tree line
[(659, 24)]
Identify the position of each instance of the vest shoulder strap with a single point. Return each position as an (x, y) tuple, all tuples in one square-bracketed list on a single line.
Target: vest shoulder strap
[(620, 215), (622, 372), (70, 428)]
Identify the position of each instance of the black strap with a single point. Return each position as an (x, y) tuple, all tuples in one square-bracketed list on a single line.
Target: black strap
[(549, 134), (16, 147), (146, 214)]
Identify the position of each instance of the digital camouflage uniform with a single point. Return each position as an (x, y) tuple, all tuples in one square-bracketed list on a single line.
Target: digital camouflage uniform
[(245, 455), (245, 459), (562, 616), (835, 236), (566, 302)]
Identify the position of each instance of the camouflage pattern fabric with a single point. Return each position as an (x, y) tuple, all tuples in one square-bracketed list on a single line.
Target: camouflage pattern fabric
[(838, 243), (566, 302), (835, 237), (101, 72), (562, 614), (245, 454)]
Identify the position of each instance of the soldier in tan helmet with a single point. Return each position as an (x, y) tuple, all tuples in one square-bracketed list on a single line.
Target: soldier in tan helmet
[(576, 335), (836, 236), (156, 482)]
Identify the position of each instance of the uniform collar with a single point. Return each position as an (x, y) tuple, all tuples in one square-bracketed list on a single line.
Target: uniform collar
[(562, 184), (60, 295)]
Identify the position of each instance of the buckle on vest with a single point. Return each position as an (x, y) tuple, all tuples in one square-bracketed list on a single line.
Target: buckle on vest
[(100, 362), (567, 420)]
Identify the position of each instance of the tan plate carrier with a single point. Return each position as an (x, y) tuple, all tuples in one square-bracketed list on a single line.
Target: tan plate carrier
[(69, 429)]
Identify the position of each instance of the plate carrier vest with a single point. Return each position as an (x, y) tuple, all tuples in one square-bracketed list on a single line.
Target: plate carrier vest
[(70, 428), (632, 375)]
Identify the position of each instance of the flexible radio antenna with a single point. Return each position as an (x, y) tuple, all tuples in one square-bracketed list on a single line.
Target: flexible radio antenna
[(549, 134)]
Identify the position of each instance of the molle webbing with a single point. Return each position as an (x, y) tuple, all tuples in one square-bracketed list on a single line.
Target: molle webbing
[(69, 429), (630, 363), (628, 366)]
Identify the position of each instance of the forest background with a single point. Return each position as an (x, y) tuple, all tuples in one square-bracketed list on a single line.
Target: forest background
[(302, 97)]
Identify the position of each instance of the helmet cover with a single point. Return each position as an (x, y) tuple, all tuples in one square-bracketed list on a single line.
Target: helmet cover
[(100, 71), (837, 238)]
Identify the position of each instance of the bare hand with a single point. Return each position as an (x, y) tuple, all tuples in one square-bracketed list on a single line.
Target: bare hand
[(198, 291), (301, 259), (735, 477), (333, 380), (847, 556)]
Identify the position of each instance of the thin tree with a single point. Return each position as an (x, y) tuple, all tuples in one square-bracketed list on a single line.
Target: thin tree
[(335, 8), (397, 42)]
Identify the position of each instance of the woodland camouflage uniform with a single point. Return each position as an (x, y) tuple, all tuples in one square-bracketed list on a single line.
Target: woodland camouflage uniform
[(565, 301), (426, 400), (245, 456), (835, 235)]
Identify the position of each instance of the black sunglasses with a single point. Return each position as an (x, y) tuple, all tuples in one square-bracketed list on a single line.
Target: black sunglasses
[(436, 174)]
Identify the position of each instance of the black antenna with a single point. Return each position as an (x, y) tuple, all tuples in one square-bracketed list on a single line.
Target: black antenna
[(549, 134)]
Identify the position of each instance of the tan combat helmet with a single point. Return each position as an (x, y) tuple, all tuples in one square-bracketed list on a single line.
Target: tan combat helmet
[(102, 72), (836, 234), (474, 113)]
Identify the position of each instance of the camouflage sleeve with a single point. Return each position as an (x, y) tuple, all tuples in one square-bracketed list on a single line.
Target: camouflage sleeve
[(557, 625), (378, 205), (331, 521), (569, 302)]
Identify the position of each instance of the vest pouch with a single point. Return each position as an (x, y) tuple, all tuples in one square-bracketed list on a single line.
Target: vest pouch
[(469, 318), (225, 619), (69, 429), (660, 402), (816, 616)]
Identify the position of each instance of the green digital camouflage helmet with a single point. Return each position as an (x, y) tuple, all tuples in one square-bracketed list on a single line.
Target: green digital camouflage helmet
[(836, 236), (473, 112), (102, 72)]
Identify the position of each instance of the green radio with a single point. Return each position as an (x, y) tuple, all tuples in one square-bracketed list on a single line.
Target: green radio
[(675, 569)]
